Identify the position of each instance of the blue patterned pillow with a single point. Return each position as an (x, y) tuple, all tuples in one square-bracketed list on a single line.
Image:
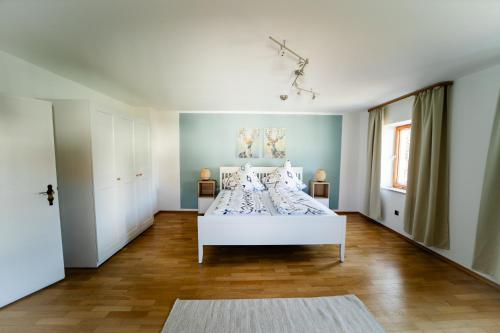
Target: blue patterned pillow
[(291, 174), (284, 177), (245, 179), (272, 179), (249, 180), (231, 182)]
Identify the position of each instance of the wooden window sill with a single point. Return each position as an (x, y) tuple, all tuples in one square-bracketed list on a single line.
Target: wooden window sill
[(394, 189)]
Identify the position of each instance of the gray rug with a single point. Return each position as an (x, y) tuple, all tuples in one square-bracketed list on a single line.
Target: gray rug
[(318, 314)]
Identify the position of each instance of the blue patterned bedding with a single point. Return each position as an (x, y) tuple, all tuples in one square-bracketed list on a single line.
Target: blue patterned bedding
[(239, 202), (293, 202)]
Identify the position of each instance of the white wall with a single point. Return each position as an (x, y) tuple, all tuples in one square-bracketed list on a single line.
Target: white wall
[(350, 183), (399, 111), (23, 79), (166, 164), (472, 107)]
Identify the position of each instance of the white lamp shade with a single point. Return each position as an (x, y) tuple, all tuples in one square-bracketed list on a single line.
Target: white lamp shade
[(320, 175), (205, 174)]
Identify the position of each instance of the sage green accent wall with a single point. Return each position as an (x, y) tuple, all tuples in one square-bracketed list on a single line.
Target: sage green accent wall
[(209, 141)]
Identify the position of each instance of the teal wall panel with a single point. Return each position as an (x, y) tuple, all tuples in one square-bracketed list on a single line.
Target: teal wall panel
[(209, 141)]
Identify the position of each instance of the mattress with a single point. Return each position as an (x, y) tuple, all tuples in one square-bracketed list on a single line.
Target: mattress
[(265, 202)]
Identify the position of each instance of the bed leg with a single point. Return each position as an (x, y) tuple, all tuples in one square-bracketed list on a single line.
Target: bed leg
[(200, 253), (341, 252)]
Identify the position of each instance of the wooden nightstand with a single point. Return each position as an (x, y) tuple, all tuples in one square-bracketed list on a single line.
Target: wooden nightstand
[(206, 195), (320, 191)]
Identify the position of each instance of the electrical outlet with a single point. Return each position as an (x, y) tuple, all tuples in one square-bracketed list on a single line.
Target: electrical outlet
[(396, 212)]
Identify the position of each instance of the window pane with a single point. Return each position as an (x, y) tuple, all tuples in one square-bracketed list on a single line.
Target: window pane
[(403, 155)]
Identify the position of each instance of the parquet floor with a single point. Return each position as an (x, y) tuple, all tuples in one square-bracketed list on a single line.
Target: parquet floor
[(408, 290)]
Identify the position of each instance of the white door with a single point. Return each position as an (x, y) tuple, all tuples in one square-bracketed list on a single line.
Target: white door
[(31, 256)]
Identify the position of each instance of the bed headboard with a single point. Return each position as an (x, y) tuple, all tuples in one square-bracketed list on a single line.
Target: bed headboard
[(261, 172)]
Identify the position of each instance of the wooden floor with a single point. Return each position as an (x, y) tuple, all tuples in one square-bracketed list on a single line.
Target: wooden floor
[(407, 290)]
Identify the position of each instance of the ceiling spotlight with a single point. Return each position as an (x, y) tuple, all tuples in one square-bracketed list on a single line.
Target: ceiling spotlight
[(299, 72), (283, 97), (282, 49)]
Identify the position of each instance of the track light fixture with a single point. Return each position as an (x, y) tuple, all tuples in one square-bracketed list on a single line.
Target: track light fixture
[(299, 71), (282, 49)]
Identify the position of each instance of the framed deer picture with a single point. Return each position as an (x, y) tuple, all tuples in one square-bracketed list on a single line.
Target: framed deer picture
[(275, 142), (248, 143)]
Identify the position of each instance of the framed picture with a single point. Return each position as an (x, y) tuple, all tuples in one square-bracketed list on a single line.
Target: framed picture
[(275, 142), (248, 142)]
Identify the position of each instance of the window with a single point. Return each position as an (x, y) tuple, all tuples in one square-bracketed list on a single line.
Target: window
[(402, 154)]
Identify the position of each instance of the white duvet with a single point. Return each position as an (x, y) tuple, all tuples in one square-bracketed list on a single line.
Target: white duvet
[(239, 202), (294, 202)]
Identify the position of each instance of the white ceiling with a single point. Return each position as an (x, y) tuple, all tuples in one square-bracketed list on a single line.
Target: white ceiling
[(216, 55)]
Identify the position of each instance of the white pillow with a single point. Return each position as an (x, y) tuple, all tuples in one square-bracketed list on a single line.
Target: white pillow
[(285, 177), (231, 182), (245, 179), (249, 180), (288, 166), (272, 180)]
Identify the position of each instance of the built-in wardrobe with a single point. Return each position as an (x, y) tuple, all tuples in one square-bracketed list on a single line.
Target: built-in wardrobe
[(103, 158)]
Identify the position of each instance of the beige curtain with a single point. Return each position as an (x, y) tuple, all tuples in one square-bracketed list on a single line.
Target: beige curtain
[(487, 251), (426, 210), (375, 122)]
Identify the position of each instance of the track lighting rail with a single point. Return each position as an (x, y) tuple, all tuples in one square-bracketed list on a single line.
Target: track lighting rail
[(298, 72)]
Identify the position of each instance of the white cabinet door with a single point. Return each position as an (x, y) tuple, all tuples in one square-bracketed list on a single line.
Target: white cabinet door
[(144, 196), (143, 186), (108, 226), (125, 175), (127, 206), (106, 202), (103, 156), (124, 149), (31, 256), (142, 149)]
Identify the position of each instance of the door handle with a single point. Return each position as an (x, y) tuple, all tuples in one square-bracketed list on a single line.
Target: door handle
[(50, 194)]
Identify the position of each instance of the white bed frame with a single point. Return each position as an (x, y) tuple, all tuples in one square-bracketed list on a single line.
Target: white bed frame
[(269, 230)]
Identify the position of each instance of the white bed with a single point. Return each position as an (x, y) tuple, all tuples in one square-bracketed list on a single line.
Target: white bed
[(273, 229)]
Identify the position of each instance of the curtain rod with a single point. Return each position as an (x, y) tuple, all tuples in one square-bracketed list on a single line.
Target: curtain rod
[(413, 93)]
